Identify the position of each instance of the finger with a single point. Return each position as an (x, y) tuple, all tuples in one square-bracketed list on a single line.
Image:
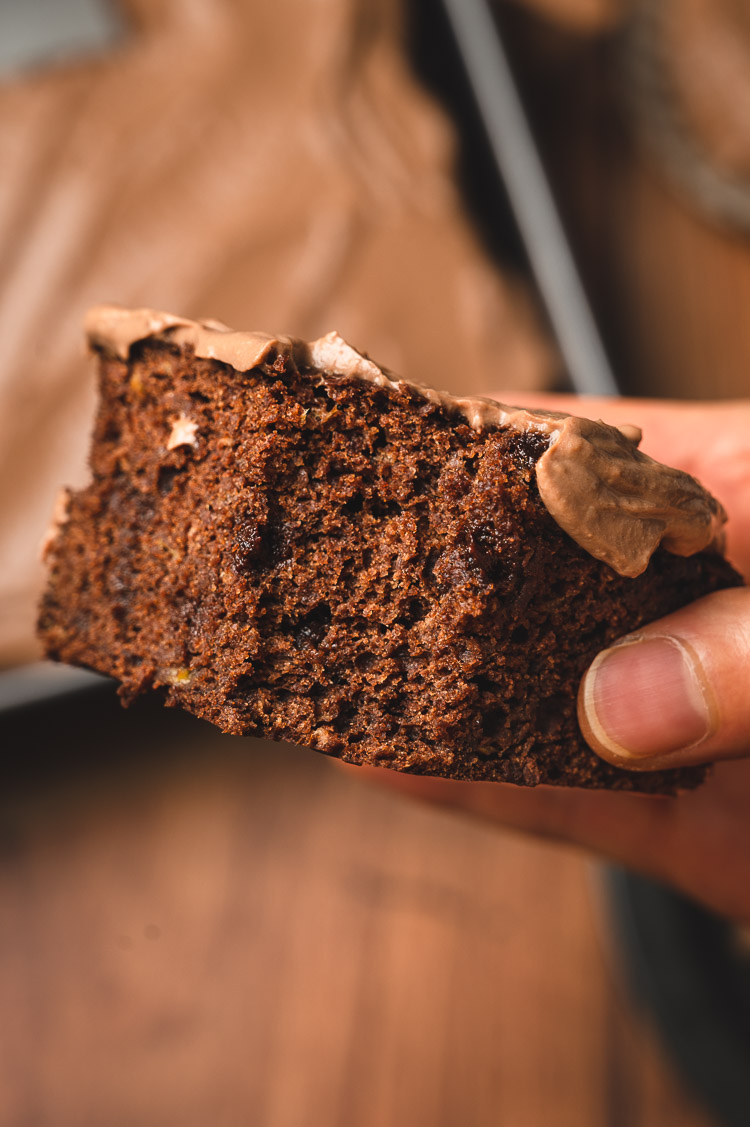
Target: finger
[(630, 828), (615, 823), (676, 692), (695, 842), (542, 810)]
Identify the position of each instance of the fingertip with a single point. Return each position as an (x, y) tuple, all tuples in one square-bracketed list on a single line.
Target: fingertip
[(645, 703)]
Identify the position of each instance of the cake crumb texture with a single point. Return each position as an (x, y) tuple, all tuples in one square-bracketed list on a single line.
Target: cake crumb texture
[(343, 566)]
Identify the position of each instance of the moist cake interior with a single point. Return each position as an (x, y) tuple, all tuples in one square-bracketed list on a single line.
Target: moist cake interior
[(317, 559)]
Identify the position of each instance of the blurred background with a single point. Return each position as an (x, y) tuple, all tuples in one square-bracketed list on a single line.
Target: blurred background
[(199, 929)]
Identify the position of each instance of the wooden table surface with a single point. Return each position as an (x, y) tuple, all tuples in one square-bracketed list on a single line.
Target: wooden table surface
[(197, 929)]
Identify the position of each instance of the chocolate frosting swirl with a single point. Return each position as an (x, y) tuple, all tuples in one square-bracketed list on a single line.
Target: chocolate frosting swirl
[(614, 501)]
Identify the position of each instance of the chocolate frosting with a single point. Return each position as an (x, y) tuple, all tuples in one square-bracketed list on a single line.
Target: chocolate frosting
[(614, 501)]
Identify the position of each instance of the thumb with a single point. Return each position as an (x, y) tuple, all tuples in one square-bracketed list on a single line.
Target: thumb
[(675, 692)]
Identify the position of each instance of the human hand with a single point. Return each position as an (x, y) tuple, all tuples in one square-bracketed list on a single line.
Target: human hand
[(678, 694)]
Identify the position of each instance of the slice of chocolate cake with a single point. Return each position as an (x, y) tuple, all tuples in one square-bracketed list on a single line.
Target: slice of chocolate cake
[(289, 542)]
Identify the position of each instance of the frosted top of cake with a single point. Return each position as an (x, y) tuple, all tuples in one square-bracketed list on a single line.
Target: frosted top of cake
[(614, 501)]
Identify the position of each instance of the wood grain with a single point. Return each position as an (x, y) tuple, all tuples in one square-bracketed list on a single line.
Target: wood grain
[(199, 929)]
